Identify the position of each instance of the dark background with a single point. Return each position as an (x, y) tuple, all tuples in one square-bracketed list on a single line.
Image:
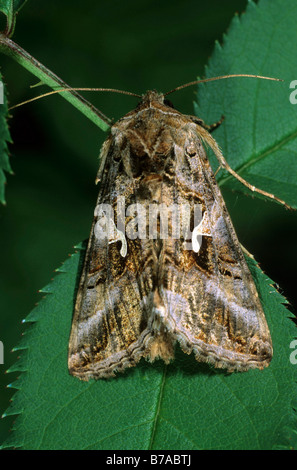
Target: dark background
[(131, 45)]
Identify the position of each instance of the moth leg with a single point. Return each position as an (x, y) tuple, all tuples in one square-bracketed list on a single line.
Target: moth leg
[(224, 164), (210, 128), (217, 170)]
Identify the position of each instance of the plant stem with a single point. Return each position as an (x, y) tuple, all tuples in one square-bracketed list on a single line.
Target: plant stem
[(10, 48)]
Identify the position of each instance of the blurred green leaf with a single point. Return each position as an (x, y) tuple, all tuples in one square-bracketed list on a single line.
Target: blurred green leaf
[(259, 134), (182, 406), (4, 139), (10, 8), (18, 4)]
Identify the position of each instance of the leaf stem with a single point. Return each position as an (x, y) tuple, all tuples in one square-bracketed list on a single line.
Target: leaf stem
[(13, 50)]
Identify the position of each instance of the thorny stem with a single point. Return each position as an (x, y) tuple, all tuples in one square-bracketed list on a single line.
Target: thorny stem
[(10, 48)]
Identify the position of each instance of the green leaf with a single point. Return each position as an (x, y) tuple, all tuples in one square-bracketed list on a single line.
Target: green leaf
[(186, 405), (18, 4), (259, 134), (4, 139), (10, 8)]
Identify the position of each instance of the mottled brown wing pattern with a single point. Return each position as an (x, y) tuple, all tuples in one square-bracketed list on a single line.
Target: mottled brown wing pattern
[(111, 324), (138, 295), (211, 305)]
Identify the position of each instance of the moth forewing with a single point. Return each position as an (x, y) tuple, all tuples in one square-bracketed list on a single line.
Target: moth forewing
[(139, 295)]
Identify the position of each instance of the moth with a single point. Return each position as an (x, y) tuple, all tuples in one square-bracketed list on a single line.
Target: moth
[(140, 295)]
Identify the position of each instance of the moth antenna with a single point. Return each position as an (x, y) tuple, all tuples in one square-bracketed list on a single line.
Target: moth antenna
[(113, 90), (222, 77)]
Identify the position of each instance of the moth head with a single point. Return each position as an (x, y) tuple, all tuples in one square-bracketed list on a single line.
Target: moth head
[(153, 98), (150, 97)]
